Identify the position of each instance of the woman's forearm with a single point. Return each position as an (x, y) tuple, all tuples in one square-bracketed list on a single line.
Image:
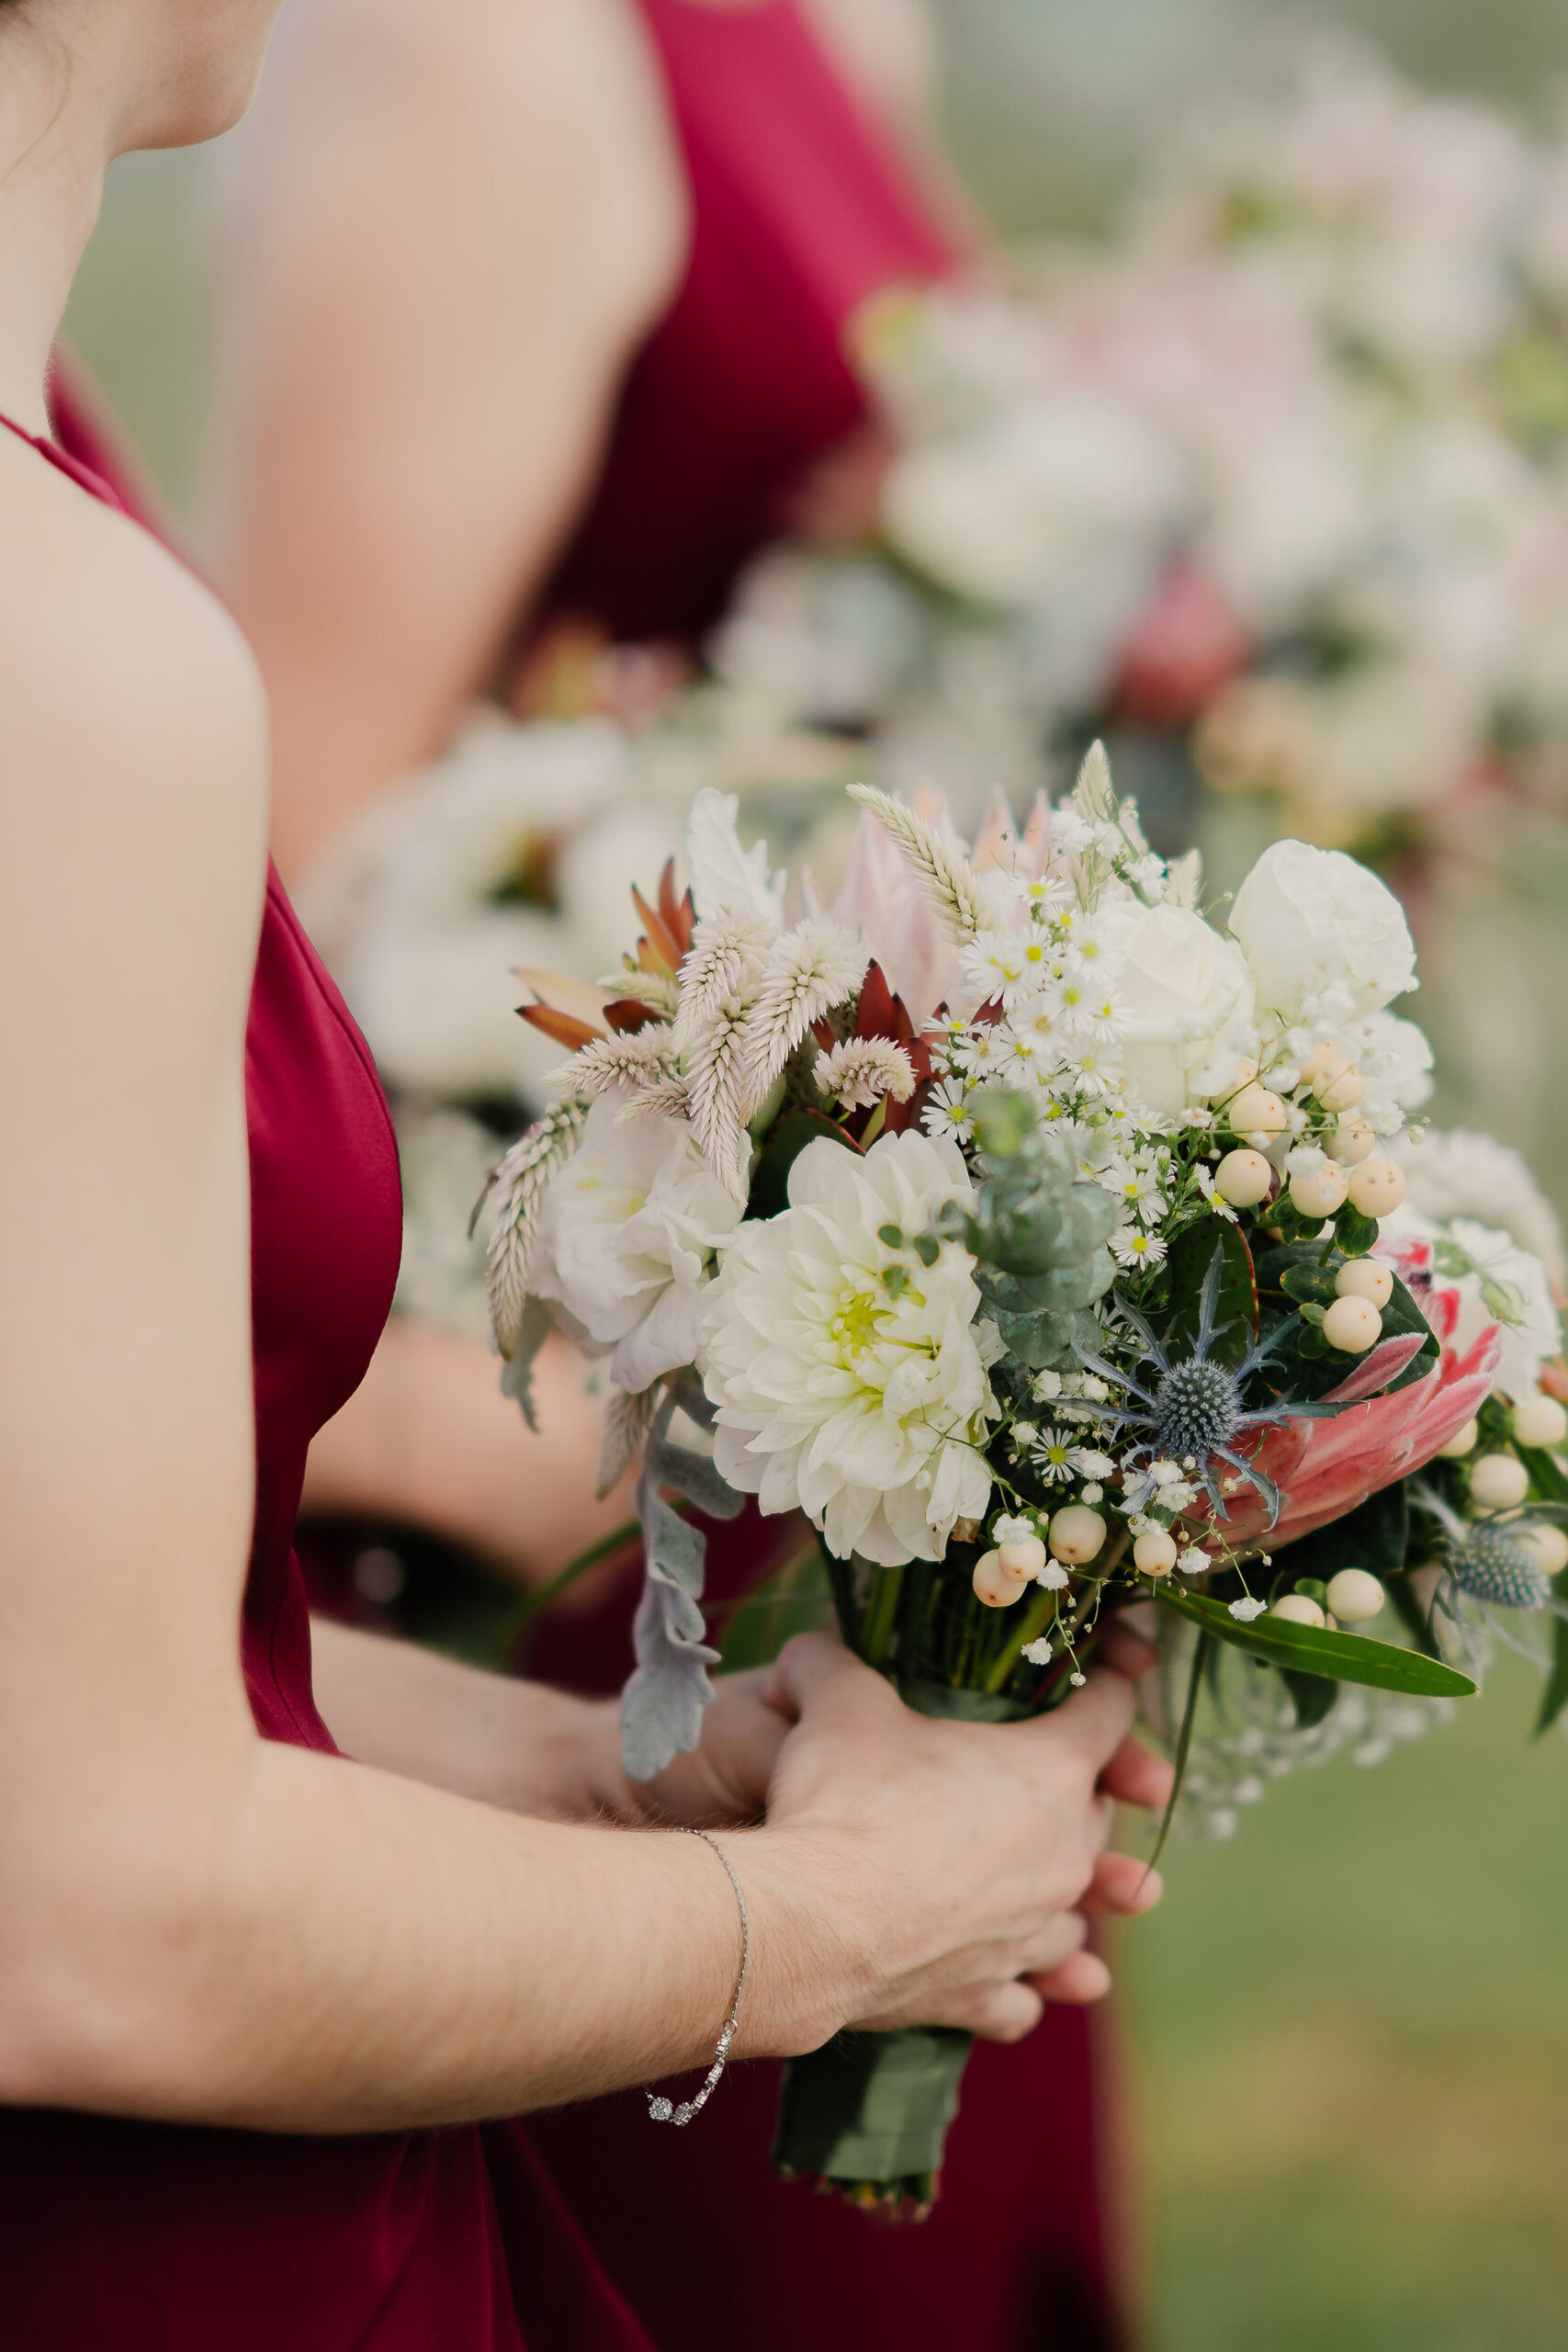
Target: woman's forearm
[(428, 1440), (356, 1952)]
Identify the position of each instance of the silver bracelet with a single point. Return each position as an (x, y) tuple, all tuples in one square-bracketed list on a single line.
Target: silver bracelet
[(664, 2111)]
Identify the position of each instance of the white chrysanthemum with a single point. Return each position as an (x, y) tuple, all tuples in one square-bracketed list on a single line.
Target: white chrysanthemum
[(850, 1378), (624, 1242)]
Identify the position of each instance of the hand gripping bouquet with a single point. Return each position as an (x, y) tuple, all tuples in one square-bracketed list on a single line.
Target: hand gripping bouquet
[(1047, 1246)]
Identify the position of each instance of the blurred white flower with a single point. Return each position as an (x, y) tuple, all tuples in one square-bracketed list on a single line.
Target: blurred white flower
[(1455, 1172)]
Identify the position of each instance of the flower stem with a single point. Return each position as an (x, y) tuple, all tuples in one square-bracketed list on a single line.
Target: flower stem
[(619, 1539), (881, 1616)]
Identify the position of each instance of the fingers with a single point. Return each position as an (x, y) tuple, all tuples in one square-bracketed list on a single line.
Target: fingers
[(1133, 1776), (1094, 1721), (811, 1667), (1123, 1885), (1127, 1651), (1007, 2014), (1076, 1982)]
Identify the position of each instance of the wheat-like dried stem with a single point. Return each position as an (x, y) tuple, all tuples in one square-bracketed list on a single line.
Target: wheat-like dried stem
[(808, 971), (725, 965), (521, 1182), (946, 880)]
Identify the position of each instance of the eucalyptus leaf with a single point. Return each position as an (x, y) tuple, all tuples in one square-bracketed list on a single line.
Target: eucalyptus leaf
[(1312, 1649)]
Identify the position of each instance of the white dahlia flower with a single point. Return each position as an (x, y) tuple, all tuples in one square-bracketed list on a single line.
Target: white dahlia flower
[(626, 1238), (850, 1378)]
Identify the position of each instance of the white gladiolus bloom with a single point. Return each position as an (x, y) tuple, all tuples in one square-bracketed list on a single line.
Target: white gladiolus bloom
[(860, 1400), (626, 1238), (1187, 998), (1498, 1283), (1310, 920)]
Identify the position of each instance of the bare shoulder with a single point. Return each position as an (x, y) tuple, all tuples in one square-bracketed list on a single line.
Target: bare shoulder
[(134, 743)]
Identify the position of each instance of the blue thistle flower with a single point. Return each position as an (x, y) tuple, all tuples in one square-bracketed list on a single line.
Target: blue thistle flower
[(1484, 1559), (1194, 1407)]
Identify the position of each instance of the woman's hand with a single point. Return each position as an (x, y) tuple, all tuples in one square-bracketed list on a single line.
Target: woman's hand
[(960, 1860), (726, 1780)]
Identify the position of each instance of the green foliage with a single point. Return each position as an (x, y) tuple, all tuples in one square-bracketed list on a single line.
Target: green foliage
[(797, 1598), (1312, 1649), (1295, 1286), (1037, 1231), (1192, 1259), (770, 1178)]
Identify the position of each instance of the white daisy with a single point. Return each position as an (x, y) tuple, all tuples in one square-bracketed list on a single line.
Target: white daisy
[(1139, 1250), (1051, 1453)]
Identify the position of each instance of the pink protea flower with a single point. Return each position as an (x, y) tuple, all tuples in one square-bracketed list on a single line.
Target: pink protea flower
[(1324, 1469)]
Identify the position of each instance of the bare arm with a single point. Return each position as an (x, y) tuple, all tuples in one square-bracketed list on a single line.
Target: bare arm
[(429, 1439), (462, 220)]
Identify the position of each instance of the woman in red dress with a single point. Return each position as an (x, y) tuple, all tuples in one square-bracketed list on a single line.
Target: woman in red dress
[(261, 2008), (549, 343)]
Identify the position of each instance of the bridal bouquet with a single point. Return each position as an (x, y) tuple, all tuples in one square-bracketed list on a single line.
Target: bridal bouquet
[(1048, 1248)]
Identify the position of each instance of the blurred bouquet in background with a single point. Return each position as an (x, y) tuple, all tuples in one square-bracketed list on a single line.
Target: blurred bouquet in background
[(1274, 486), (1051, 1250)]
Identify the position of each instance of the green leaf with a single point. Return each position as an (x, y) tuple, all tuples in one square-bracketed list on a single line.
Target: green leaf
[(1554, 1698), (1306, 1280), (1547, 1474), (1191, 1255), (1200, 1654), (770, 1178), (1356, 1234), (1314, 1695), (1311, 1650)]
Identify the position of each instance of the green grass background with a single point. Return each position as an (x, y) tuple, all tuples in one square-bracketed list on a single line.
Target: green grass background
[(1346, 2031)]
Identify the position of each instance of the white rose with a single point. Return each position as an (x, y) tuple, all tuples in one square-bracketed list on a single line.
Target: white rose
[(1189, 997), (625, 1243), (1311, 919)]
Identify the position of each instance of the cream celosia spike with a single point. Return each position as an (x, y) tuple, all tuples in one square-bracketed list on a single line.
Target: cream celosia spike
[(645, 1058), (943, 875), (724, 966), (666, 1097), (521, 1182), (808, 971), (714, 1089), (856, 1072)]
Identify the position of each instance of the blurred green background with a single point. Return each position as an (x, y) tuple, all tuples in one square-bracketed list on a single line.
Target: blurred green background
[(1347, 2030)]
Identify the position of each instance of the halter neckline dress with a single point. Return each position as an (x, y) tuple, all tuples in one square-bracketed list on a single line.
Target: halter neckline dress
[(139, 2237)]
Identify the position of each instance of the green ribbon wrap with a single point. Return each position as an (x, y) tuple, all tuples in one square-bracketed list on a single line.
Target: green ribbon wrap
[(870, 2111)]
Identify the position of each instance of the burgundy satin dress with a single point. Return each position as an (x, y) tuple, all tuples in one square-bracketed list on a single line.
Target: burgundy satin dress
[(801, 210), (134, 2237)]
